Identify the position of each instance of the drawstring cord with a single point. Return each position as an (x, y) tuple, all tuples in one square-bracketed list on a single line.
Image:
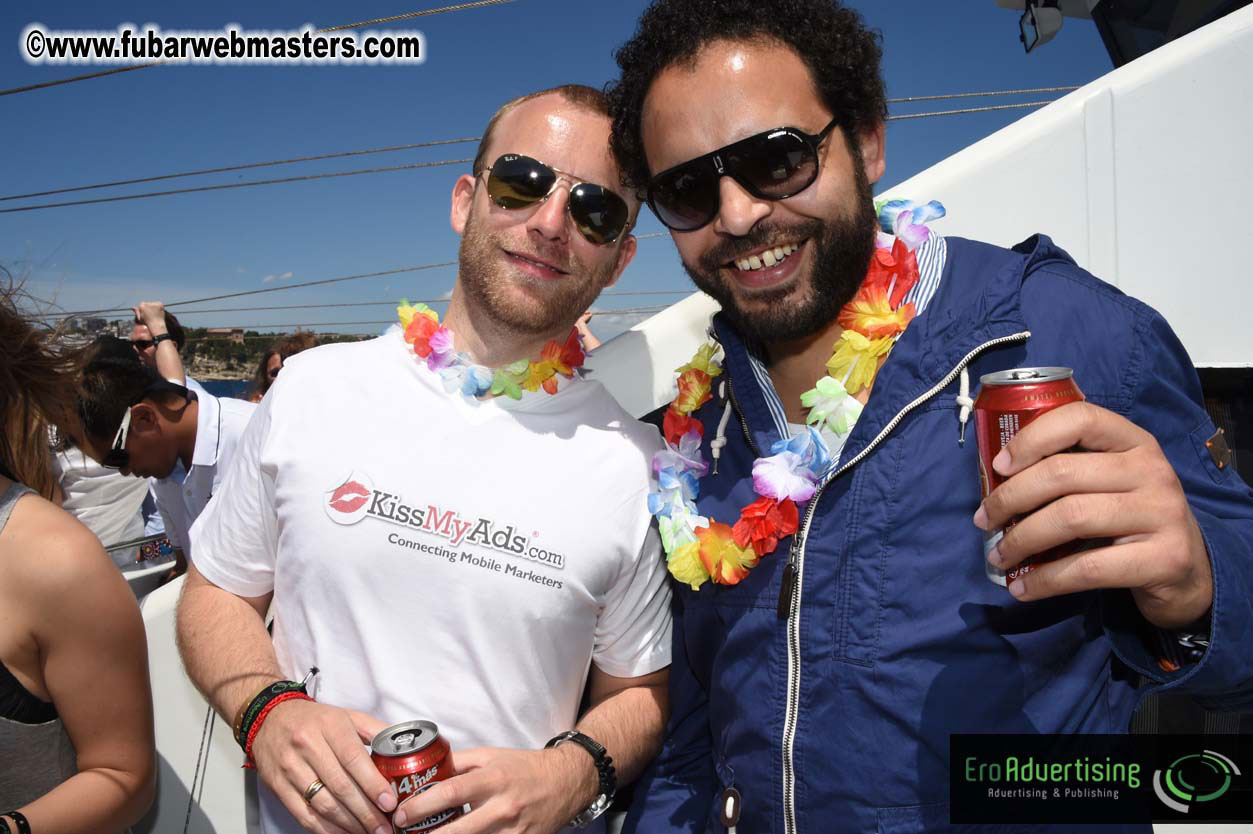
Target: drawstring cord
[(965, 403), (720, 439)]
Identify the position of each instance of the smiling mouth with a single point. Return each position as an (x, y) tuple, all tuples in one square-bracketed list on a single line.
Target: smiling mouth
[(544, 265), (766, 258)]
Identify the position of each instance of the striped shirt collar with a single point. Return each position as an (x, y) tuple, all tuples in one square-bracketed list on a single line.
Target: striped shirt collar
[(930, 256)]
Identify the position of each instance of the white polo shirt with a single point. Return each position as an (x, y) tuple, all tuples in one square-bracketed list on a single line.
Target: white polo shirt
[(182, 495)]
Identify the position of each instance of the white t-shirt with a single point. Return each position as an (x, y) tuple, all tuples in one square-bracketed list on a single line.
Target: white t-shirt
[(435, 558), (182, 495)]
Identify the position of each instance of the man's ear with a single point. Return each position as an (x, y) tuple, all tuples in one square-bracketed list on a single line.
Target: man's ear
[(144, 419), (462, 199), (626, 251), (872, 144)]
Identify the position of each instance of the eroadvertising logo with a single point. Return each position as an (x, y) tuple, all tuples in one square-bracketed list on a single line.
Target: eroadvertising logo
[(1194, 778), (1082, 778)]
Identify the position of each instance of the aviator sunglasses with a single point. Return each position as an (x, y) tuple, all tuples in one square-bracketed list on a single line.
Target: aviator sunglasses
[(515, 182), (773, 165), (118, 457)]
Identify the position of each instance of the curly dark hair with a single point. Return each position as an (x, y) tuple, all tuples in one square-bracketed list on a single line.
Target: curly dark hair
[(842, 55)]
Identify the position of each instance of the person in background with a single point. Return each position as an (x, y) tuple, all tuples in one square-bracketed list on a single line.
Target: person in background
[(142, 423), (76, 735), (272, 361), (586, 337), (106, 501), (158, 340)]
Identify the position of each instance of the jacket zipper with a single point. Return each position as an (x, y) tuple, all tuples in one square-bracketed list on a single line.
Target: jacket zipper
[(793, 572)]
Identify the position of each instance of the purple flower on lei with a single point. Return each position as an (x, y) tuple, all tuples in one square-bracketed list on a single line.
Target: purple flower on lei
[(684, 457), (443, 352), (784, 475)]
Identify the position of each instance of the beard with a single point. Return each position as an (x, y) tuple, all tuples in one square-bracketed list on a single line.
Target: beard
[(520, 303), (842, 247)]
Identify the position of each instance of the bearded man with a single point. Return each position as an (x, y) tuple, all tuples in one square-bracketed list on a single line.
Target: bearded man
[(821, 507), (414, 511)]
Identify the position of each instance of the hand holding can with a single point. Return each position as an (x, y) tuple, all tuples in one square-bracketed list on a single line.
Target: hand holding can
[(1007, 402)]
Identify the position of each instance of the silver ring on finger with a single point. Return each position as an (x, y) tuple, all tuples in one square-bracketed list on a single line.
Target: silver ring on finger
[(311, 791)]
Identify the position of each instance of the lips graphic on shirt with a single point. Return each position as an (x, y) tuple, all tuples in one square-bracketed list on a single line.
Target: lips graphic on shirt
[(346, 504), (349, 497)]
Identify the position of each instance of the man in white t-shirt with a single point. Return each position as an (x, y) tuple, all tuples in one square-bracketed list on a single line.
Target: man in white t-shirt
[(451, 524)]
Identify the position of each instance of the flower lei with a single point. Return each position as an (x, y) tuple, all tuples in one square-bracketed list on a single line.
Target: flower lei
[(434, 343), (700, 549)]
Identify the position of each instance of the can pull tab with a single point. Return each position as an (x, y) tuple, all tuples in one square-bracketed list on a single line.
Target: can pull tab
[(729, 809)]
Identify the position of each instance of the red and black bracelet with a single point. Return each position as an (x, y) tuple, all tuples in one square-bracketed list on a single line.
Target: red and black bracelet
[(289, 695)]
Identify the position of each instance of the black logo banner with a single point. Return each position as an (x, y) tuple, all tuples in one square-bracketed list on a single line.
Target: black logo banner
[(1100, 778)]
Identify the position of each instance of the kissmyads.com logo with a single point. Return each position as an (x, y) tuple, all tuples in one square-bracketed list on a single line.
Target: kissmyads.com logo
[(357, 498)]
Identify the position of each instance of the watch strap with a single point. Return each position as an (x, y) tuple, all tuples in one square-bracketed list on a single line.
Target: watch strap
[(607, 777), (163, 337)]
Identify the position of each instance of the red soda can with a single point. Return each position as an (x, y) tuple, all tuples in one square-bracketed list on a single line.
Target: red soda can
[(1007, 401), (413, 756)]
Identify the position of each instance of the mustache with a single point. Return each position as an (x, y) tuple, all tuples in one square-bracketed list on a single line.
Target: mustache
[(762, 234)]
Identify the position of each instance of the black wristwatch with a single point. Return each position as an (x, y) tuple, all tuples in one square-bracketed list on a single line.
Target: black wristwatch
[(608, 778), (156, 340)]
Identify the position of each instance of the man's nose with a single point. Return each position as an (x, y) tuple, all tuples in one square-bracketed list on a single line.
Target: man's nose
[(738, 210), (549, 220)]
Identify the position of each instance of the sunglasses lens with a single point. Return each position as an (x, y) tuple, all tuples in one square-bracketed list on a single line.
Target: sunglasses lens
[(686, 197), (518, 181), (775, 166), (600, 214)]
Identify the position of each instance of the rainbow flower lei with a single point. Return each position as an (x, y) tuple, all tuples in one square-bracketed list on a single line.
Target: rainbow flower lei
[(433, 343), (700, 549)]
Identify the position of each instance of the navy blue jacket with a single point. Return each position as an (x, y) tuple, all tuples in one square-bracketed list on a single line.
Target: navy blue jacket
[(838, 717)]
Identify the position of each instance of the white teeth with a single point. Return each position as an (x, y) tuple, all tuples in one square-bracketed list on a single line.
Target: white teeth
[(768, 258)]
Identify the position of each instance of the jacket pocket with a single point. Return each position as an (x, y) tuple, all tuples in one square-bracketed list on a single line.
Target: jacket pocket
[(868, 514)]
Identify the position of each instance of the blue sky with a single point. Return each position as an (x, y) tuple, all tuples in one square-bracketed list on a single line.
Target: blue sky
[(169, 119)]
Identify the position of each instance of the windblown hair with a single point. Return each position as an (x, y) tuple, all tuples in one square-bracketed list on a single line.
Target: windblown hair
[(38, 392), (842, 55), (588, 98), (294, 343), (113, 380)]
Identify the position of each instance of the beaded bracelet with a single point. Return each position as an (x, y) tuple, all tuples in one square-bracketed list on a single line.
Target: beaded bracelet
[(289, 695), (4, 826), (23, 827)]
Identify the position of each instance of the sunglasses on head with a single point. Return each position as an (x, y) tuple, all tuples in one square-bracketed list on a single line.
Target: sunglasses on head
[(118, 457), (773, 165), (515, 182)]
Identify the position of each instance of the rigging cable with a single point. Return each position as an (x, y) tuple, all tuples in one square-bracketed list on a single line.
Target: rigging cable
[(247, 184), (245, 166)]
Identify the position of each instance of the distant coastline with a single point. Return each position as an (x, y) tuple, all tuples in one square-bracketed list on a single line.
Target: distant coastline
[(225, 387)]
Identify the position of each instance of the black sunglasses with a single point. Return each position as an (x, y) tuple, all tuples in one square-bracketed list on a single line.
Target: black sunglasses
[(142, 344), (118, 457), (773, 165), (515, 182)]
